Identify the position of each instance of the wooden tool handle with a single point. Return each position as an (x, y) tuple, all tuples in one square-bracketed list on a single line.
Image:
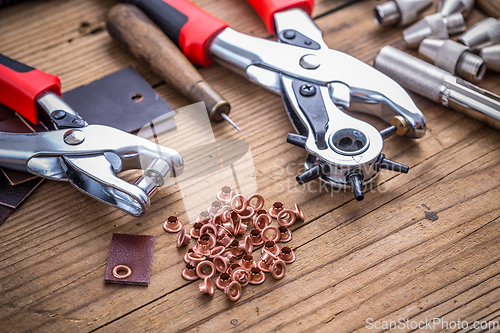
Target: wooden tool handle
[(129, 25)]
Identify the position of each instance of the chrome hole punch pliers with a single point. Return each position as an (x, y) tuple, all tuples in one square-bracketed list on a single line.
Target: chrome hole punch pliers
[(88, 156), (317, 84)]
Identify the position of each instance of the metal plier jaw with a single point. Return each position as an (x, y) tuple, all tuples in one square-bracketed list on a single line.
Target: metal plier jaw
[(317, 84), (90, 156)]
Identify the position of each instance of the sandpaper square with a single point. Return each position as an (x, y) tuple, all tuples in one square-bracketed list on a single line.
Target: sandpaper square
[(122, 100), (133, 251)]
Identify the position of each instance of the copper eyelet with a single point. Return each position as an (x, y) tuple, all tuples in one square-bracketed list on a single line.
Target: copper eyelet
[(189, 273), (205, 269), (233, 291), (194, 258), (238, 203), (257, 276), (230, 256), (221, 263), (217, 220), (298, 212), (241, 275), (278, 269), (186, 259), (207, 286), (223, 280), (216, 251), (248, 244), (203, 245), (195, 231), (243, 229), (172, 224), (207, 227), (282, 221), (287, 255), (204, 217), (183, 239), (275, 234), (224, 239), (214, 207), (119, 268), (272, 248), (265, 267), (260, 201), (247, 262), (276, 209), (262, 221), (232, 267), (256, 237), (285, 234), (224, 194), (247, 214)]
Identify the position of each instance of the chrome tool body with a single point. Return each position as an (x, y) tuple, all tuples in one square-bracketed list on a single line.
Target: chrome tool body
[(87, 156)]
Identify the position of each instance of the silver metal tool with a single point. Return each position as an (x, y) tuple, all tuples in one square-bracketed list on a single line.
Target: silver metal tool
[(90, 156), (318, 85), (491, 56), (482, 34), (399, 12), (435, 26), (453, 57), (447, 7), (438, 85)]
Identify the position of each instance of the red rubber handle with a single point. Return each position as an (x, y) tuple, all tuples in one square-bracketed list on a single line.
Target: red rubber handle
[(21, 85), (267, 8), (187, 25)]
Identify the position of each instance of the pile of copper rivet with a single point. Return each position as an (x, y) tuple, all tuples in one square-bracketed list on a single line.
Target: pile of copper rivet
[(224, 246)]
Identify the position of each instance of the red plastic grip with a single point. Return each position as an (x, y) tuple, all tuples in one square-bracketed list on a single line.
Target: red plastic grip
[(198, 32), (267, 8), (21, 85)]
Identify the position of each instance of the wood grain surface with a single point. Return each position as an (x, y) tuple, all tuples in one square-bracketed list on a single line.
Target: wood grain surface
[(420, 246)]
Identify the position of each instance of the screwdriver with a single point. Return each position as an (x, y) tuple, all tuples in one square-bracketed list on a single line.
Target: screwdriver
[(129, 25)]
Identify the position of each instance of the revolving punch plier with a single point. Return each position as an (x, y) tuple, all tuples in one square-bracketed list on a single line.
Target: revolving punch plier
[(317, 85), (87, 156)]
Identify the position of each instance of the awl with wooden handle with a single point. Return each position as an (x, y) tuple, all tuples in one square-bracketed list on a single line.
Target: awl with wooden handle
[(129, 25)]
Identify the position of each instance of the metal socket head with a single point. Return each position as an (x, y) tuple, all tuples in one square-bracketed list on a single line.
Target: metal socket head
[(453, 57), (482, 34), (491, 56), (447, 7), (399, 12), (434, 26)]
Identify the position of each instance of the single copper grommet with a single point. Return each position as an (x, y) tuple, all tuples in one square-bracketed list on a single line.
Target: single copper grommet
[(233, 291), (186, 259), (247, 245), (260, 201), (263, 266), (223, 280), (207, 286), (268, 257), (194, 258), (221, 263), (235, 217), (257, 276), (232, 267), (241, 275), (206, 228), (242, 229), (217, 251), (270, 229), (217, 220), (276, 209), (230, 256), (260, 212), (285, 234), (272, 248), (204, 217), (256, 237), (278, 269), (183, 239), (172, 224), (121, 268), (238, 203), (195, 231), (247, 262), (247, 214), (189, 273), (262, 221), (282, 217), (214, 207), (298, 212), (229, 227), (234, 247), (237, 227), (224, 209), (203, 245), (205, 269), (224, 239), (287, 255), (224, 194)]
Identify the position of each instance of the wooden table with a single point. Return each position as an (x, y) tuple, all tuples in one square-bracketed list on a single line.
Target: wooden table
[(420, 246)]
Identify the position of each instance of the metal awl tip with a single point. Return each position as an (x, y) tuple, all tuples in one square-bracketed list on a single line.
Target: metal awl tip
[(226, 118)]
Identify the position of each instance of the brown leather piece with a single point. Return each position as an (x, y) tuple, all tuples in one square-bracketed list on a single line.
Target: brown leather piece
[(133, 251), (11, 196), (4, 213)]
